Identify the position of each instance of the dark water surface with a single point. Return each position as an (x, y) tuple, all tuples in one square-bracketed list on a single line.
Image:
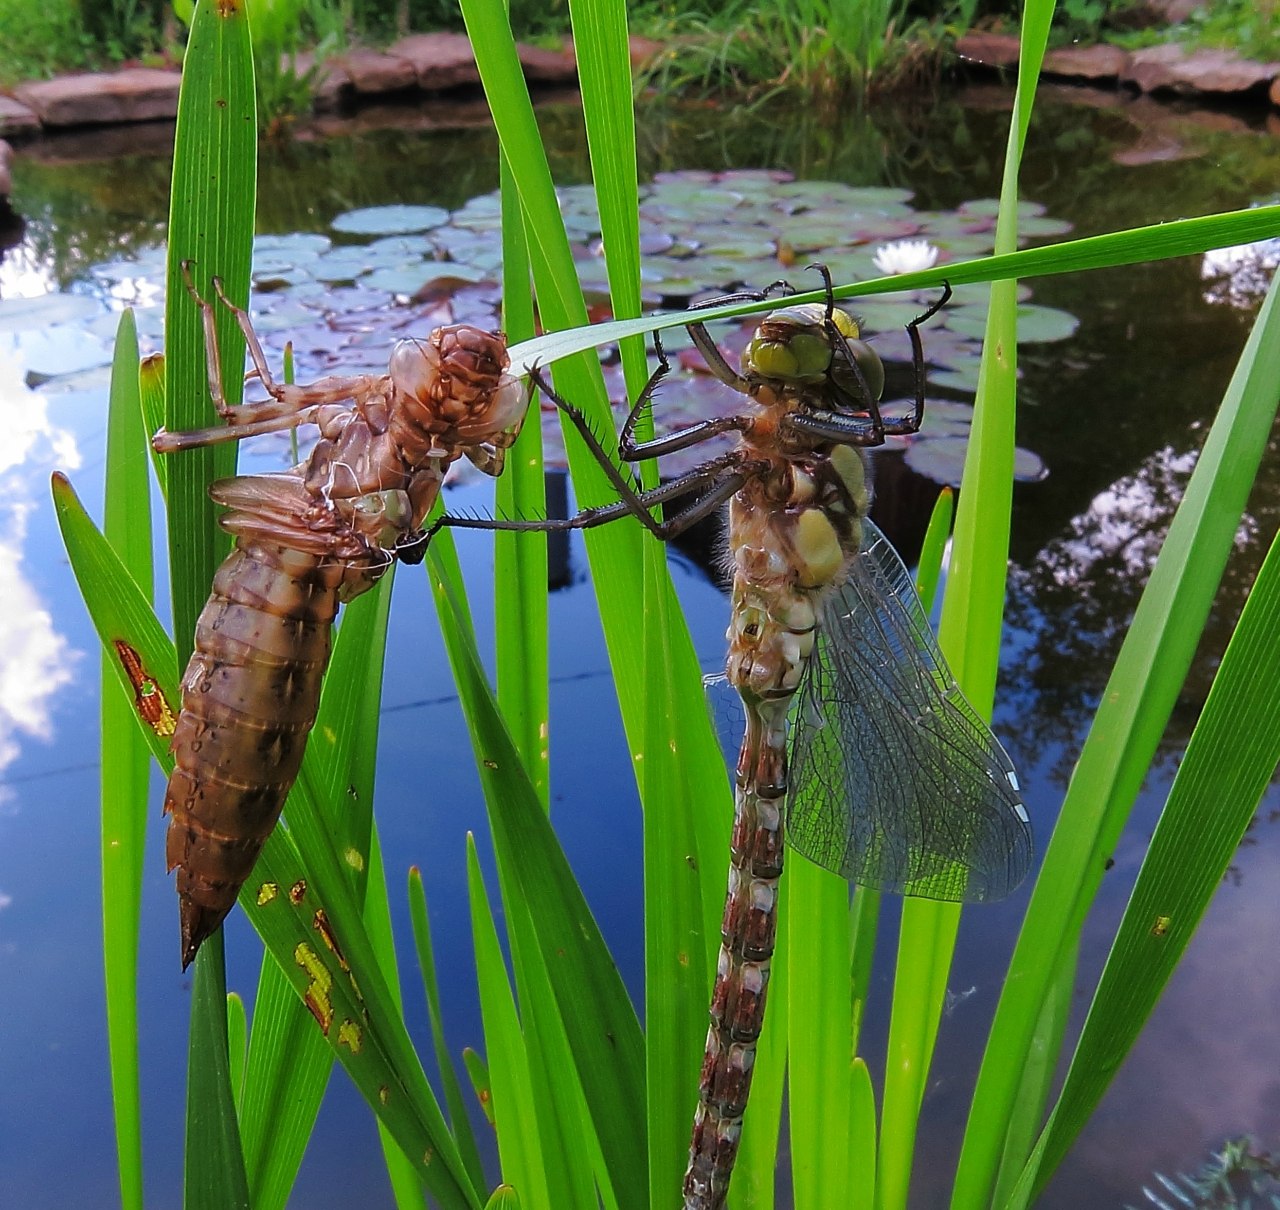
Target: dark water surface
[(1117, 413)]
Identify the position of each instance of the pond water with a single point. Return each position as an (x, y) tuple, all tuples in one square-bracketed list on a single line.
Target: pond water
[(1114, 410)]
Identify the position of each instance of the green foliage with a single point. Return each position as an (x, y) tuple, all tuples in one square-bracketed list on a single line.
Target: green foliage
[(814, 47), (1248, 27), (41, 40)]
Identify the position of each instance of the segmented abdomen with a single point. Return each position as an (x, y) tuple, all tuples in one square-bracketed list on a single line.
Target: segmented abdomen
[(249, 699), (791, 536)]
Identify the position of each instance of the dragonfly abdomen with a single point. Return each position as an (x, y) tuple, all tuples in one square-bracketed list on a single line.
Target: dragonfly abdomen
[(249, 699)]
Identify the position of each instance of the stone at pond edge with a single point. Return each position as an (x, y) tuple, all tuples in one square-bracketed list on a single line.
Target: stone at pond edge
[(372, 72), (1169, 67), (138, 94), (1099, 62), (16, 118), (1164, 67), (988, 49)]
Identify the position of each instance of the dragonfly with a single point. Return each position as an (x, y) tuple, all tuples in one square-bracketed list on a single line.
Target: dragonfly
[(306, 540), (858, 746)]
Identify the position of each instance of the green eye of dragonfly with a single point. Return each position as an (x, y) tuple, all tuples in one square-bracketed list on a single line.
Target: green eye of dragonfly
[(870, 364), (804, 354)]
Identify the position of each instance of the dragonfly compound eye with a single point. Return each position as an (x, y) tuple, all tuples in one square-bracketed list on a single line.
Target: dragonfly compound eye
[(870, 364), (803, 355)]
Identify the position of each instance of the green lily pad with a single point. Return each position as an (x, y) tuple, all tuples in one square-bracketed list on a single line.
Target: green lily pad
[(390, 220), (991, 206), (1036, 324), (1041, 227), (45, 310), (942, 460), (296, 243)]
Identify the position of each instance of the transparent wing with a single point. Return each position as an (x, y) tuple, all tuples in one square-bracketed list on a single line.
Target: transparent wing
[(896, 782)]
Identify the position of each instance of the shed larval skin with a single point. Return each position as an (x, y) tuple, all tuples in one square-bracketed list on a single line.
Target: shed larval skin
[(307, 540)]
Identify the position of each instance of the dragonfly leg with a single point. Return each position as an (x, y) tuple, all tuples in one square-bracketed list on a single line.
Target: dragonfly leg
[(287, 401), (917, 358), (634, 451), (866, 400), (715, 359), (626, 489), (724, 474), (707, 346)]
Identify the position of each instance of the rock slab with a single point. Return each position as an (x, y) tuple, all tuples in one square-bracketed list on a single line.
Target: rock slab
[(138, 94)]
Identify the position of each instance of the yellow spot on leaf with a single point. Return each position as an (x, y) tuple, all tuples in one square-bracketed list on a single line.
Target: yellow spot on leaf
[(318, 993), (355, 859), (350, 1036), (384, 1095), (267, 892), (1161, 926)]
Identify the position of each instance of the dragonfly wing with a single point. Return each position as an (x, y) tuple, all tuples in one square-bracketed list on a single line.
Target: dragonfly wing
[(727, 714), (896, 782)]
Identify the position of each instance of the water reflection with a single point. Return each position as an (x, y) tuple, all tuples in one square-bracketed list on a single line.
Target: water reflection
[(35, 660), (1239, 276)]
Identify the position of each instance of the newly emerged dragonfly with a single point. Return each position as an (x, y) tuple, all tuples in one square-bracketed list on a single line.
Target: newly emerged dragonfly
[(306, 540), (890, 777)]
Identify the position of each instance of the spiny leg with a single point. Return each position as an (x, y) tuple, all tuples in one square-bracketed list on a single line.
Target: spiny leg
[(917, 357), (621, 483), (724, 476), (869, 401), (655, 447), (286, 401)]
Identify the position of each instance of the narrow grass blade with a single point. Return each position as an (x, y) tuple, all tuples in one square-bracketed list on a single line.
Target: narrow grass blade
[(969, 634), (572, 1158), (1117, 753), (126, 764), (514, 1107), (616, 551), (820, 1048), (519, 565), (1038, 1079), (152, 387), (213, 1172), (478, 1073), (458, 1117), (211, 217), (862, 1137), (237, 1044), (287, 1071), (599, 1020)]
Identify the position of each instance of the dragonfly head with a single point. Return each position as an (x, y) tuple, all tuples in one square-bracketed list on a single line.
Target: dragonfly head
[(794, 345)]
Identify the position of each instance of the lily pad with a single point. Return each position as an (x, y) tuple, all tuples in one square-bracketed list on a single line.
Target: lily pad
[(390, 220), (942, 460), (296, 243), (1036, 324), (45, 310)]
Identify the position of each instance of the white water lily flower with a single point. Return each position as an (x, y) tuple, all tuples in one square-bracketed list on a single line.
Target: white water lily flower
[(905, 256)]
